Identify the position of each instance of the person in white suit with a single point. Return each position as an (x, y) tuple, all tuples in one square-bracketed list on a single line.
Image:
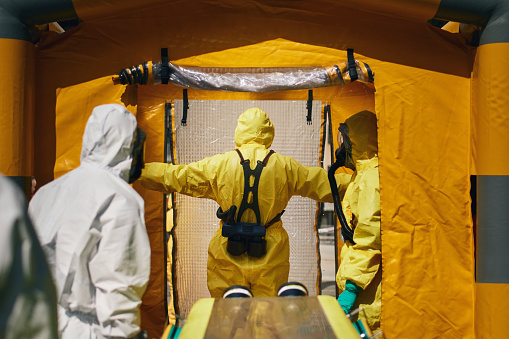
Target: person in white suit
[(28, 304), (91, 225)]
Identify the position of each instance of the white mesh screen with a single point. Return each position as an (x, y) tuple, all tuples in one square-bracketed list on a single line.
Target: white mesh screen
[(210, 130)]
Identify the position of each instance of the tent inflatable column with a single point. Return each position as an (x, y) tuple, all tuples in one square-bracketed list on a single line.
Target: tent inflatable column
[(18, 79), (491, 123), (490, 149)]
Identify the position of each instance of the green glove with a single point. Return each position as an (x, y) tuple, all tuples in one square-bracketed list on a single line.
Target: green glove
[(347, 298)]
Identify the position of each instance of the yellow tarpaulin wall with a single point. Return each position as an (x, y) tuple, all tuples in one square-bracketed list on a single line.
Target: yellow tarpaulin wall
[(74, 106), (427, 238), (422, 101)]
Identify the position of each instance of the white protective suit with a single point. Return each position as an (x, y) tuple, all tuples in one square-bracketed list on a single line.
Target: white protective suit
[(91, 225), (28, 305)]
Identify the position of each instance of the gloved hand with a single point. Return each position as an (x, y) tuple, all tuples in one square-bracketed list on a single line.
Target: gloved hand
[(347, 298)]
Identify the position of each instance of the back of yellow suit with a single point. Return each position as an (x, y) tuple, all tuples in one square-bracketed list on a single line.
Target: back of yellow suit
[(221, 178), (361, 262)]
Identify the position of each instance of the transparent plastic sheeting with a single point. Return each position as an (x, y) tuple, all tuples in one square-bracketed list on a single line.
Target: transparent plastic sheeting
[(245, 79), (210, 130)]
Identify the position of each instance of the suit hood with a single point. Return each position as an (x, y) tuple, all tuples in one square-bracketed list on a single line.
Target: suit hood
[(254, 127), (363, 135), (108, 139)]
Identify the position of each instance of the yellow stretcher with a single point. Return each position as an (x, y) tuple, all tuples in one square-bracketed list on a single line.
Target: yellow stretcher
[(267, 317)]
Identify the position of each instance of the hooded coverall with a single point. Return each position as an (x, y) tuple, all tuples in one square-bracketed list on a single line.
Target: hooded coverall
[(361, 263), (91, 225), (221, 179), (28, 302)]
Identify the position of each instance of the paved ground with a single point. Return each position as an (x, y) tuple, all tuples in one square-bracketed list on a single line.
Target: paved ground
[(328, 269)]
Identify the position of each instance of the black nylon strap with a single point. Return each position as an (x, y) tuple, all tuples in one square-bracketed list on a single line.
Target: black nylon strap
[(240, 155), (228, 216), (165, 68), (371, 76), (248, 172), (275, 219), (266, 159), (145, 73), (351, 65)]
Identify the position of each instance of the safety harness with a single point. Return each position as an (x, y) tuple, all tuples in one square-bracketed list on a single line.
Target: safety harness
[(244, 236)]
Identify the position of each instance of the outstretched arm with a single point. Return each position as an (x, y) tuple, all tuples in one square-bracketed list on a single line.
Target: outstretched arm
[(195, 179), (310, 182)]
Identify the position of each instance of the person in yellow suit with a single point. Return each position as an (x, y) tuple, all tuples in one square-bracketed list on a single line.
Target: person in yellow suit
[(222, 179), (359, 273)]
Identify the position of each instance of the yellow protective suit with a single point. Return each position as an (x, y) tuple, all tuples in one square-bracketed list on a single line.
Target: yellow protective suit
[(361, 263), (221, 178)]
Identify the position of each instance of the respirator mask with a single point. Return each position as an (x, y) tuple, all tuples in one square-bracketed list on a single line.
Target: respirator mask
[(138, 155)]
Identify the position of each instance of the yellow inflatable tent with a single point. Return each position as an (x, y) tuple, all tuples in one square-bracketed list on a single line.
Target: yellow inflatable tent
[(440, 102)]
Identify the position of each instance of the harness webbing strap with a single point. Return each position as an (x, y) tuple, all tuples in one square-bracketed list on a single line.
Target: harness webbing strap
[(264, 161), (251, 190)]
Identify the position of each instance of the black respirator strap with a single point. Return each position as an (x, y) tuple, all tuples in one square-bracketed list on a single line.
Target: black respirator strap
[(137, 162), (347, 144)]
